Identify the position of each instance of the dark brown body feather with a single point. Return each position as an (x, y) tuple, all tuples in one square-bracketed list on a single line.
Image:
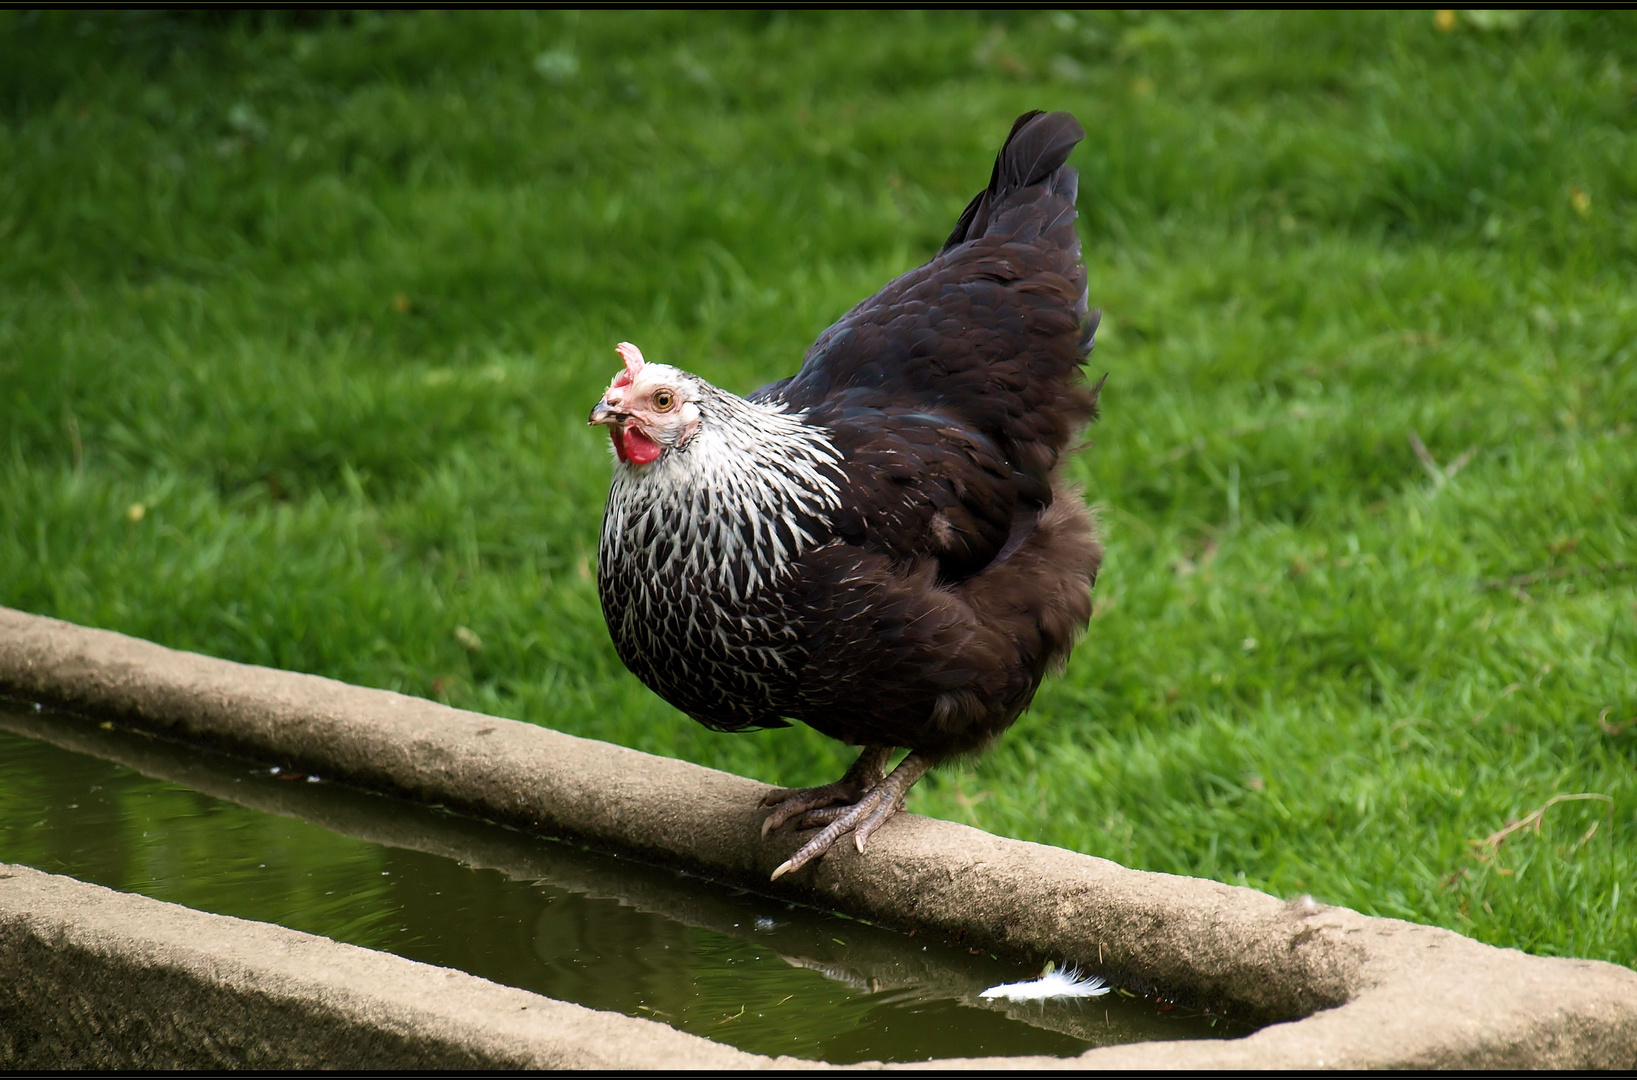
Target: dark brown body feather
[(956, 566)]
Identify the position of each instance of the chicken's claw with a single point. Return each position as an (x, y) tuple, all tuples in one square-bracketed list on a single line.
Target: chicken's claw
[(865, 773), (863, 818)]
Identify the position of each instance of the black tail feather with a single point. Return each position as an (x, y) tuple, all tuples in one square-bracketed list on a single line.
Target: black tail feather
[(1039, 144)]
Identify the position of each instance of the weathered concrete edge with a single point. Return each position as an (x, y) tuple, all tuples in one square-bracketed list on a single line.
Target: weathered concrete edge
[(95, 978), (1410, 996)]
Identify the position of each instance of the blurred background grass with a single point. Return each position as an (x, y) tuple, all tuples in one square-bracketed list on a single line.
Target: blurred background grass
[(300, 317)]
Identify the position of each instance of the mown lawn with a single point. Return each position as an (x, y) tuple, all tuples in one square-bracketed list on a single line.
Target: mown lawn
[(300, 321)]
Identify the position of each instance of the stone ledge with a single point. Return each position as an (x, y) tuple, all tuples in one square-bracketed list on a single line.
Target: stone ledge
[(1375, 993)]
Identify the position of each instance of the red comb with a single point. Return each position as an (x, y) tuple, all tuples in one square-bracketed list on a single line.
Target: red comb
[(633, 363)]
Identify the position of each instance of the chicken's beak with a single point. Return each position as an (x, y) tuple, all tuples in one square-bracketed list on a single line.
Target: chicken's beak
[(603, 414)]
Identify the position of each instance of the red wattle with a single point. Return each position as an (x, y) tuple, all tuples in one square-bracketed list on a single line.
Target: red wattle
[(639, 448), (633, 447)]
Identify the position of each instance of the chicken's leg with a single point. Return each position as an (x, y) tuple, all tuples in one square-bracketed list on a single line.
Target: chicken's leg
[(865, 774), (868, 814)]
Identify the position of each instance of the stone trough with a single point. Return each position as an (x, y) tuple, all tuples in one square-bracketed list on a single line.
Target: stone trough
[(94, 978)]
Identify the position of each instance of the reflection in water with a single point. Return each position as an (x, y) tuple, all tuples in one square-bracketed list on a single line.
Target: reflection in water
[(216, 834)]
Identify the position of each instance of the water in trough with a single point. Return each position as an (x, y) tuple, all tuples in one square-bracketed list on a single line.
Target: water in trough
[(218, 834)]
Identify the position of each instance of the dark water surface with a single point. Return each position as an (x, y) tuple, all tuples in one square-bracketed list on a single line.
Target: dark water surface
[(218, 834)]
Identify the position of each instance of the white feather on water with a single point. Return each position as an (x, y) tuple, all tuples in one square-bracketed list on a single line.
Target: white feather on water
[(1051, 985)]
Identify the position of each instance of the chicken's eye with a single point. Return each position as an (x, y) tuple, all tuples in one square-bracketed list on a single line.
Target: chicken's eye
[(664, 400)]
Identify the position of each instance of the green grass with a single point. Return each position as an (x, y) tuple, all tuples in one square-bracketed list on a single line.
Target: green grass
[(329, 301)]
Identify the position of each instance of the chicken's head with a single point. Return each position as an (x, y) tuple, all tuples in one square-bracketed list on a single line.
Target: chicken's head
[(648, 408)]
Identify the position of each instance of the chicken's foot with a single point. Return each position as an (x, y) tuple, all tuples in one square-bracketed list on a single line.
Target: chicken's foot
[(864, 817), (865, 774)]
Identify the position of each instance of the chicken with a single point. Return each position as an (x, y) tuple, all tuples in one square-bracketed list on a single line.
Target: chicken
[(881, 546)]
